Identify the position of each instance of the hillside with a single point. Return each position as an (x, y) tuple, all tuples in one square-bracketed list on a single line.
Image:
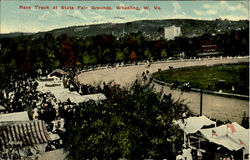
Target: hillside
[(152, 29)]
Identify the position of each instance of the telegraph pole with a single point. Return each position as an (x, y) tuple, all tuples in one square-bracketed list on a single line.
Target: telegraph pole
[(201, 103)]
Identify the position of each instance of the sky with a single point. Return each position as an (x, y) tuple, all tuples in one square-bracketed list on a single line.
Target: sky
[(14, 19)]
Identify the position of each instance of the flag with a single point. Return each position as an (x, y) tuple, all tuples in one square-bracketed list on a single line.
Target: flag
[(232, 127), (242, 142), (214, 133)]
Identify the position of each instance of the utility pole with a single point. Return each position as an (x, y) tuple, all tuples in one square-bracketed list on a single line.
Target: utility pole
[(201, 104)]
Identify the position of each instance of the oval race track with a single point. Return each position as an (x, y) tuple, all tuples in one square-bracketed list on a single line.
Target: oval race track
[(221, 108)]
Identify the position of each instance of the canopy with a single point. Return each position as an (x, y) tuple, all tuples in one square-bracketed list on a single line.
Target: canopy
[(57, 73), (63, 94), (232, 136), (2, 108), (24, 133), (193, 124), (53, 137), (17, 116)]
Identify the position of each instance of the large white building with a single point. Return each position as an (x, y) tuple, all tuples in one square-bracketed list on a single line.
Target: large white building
[(172, 32)]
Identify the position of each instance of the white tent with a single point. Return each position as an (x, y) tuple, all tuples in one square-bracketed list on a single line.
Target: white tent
[(194, 124), (63, 94), (57, 72), (17, 116), (77, 98), (25, 134), (233, 139), (2, 108)]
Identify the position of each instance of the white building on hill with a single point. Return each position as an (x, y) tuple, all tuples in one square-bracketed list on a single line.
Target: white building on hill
[(171, 32)]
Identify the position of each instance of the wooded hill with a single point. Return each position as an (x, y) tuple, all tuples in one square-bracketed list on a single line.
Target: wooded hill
[(152, 29)]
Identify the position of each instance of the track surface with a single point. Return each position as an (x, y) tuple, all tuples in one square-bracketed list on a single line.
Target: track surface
[(217, 107)]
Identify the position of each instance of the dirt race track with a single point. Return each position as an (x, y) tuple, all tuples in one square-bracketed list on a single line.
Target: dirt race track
[(221, 108)]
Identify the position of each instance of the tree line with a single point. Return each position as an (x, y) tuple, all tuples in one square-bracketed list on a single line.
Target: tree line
[(27, 54)]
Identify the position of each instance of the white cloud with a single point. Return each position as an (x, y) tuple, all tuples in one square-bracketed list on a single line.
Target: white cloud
[(144, 11), (233, 8), (7, 29), (207, 12), (177, 12), (239, 7), (234, 18), (206, 6), (177, 7), (79, 14), (199, 13), (22, 27), (50, 14), (229, 17), (220, 8), (180, 16), (211, 12), (223, 3), (97, 17), (246, 11), (121, 4), (58, 12), (44, 16)]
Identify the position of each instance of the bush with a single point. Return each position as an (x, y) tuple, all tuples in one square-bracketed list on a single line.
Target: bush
[(132, 123)]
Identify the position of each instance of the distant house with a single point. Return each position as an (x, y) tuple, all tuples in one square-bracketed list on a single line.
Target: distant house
[(23, 137), (171, 32), (207, 48), (58, 73)]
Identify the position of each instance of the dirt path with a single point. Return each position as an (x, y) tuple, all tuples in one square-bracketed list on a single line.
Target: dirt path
[(221, 108)]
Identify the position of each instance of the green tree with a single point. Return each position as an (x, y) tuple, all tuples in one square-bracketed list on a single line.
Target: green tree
[(119, 56), (163, 53), (134, 123), (107, 55), (126, 53), (148, 54), (88, 59)]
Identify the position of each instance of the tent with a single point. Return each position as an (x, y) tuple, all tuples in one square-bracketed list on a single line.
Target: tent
[(232, 136), (17, 116), (63, 94), (23, 133), (58, 73), (2, 108), (192, 125)]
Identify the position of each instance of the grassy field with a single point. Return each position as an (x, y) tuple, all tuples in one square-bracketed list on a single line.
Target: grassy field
[(215, 78)]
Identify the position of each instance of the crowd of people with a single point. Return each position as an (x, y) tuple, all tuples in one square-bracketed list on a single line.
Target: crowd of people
[(23, 95), (19, 95)]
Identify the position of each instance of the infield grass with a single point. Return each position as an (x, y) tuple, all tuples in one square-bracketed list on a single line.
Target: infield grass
[(233, 78)]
